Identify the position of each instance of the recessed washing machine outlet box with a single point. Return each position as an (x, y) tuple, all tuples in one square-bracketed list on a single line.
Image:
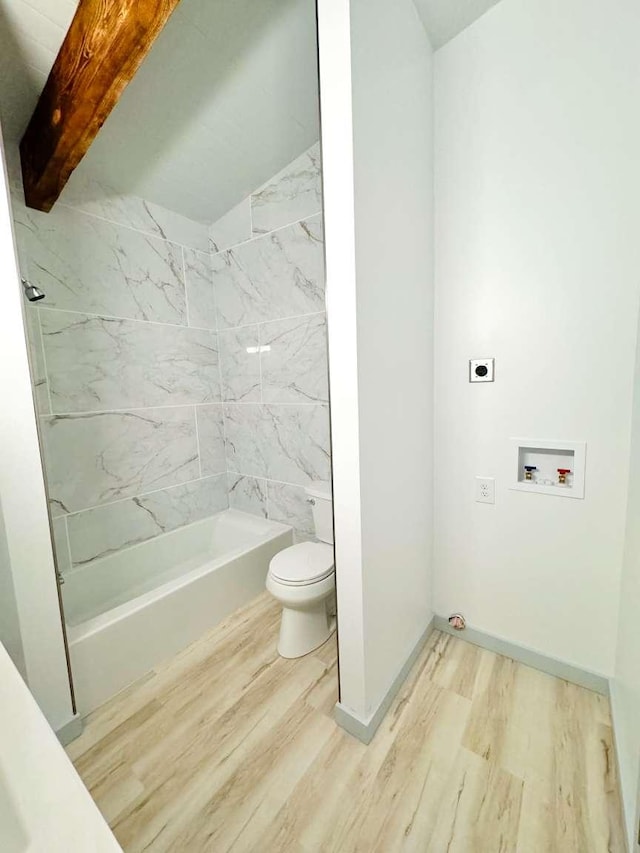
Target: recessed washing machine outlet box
[(544, 459), (482, 370)]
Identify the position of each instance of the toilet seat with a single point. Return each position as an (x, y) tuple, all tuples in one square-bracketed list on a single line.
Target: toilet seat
[(302, 564)]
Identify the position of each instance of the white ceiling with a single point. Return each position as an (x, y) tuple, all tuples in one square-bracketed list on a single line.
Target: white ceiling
[(30, 36), (444, 19), (227, 96)]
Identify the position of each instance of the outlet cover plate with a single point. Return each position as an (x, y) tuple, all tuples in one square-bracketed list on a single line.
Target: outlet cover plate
[(482, 370), (485, 490)]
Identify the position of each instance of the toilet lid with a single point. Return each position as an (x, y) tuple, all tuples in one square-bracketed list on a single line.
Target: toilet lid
[(305, 563)]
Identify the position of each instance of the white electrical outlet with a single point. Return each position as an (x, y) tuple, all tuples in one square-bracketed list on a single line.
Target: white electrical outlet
[(485, 490)]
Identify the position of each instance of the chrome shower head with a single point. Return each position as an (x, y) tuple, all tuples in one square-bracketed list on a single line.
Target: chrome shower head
[(32, 292)]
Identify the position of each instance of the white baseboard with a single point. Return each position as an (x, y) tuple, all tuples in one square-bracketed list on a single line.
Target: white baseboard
[(71, 730), (552, 666), (365, 729)]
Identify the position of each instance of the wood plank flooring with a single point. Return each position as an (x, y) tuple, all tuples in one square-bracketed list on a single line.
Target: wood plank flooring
[(228, 747)]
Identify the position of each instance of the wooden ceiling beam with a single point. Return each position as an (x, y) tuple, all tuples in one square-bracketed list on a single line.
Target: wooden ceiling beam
[(102, 50)]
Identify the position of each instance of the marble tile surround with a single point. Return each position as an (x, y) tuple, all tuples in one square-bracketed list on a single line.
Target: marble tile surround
[(97, 458), (124, 354), (101, 531), (293, 358), (87, 264), (87, 195), (99, 363), (289, 444), (293, 194), (270, 277), (268, 269), (210, 424), (136, 387)]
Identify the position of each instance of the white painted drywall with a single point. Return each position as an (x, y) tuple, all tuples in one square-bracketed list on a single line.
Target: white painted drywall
[(379, 298), (625, 686), (537, 260), (334, 38), (22, 497), (393, 130), (10, 635)]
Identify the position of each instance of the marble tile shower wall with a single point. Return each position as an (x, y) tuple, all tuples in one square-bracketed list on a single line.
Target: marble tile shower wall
[(178, 368), (125, 358), (268, 272)]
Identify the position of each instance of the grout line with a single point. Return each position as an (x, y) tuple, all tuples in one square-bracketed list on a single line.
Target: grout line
[(195, 419), (44, 362), (125, 319), (214, 293), (274, 320), (152, 234), (267, 500), (323, 403), (66, 527), (224, 420), (186, 288), (80, 413), (143, 494), (262, 235), (179, 325), (259, 332), (268, 479)]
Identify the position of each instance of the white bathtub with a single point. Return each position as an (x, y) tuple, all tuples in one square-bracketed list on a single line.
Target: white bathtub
[(129, 611)]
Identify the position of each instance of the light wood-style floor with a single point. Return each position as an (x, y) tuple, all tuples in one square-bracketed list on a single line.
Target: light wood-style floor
[(229, 747)]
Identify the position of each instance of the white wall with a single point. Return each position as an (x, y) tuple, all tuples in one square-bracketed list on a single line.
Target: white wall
[(537, 259), (22, 497), (334, 38), (625, 687), (10, 635), (379, 261)]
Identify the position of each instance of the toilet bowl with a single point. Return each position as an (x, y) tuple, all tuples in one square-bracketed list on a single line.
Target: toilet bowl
[(302, 579)]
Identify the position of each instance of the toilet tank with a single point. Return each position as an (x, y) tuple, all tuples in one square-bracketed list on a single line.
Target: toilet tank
[(319, 496)]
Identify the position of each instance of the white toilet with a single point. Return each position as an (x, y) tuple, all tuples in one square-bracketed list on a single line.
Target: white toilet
[(303, 579)]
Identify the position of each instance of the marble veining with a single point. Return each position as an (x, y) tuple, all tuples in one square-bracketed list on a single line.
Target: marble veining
[(278, 275), (100, 363), (164, 367), (248, 494), (232, 228), (294, 360), (87, 264), (210, 423), (289, 504), (104, 530), (93, 197), (245, 439), (294, 193), (240, 364), (201, 301), (93, 459), (285, 443), (298, 442)]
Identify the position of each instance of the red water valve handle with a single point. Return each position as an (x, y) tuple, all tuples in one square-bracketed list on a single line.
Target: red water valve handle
[(564, 470)]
